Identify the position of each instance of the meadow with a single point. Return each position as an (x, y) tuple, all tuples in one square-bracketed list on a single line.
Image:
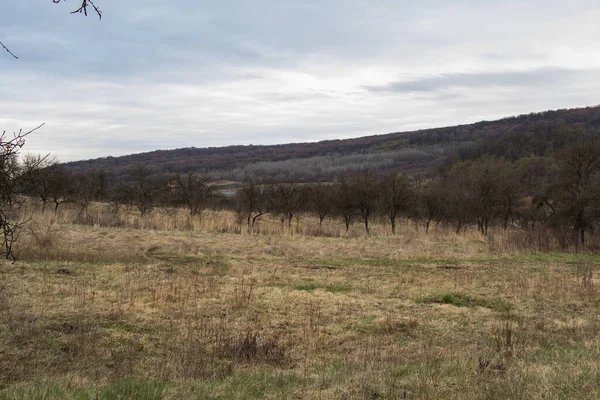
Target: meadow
[(109, 305)]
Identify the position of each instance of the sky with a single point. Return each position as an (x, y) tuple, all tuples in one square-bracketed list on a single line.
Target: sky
[(156, 75)]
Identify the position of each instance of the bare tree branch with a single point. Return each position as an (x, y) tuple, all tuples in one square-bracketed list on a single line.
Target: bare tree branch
[(83, 9), (9, 52)]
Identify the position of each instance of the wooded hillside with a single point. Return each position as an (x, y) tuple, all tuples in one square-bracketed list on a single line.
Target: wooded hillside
[(535, 134)]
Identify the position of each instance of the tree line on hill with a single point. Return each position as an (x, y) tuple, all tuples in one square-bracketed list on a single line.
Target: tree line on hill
[(408, 152)]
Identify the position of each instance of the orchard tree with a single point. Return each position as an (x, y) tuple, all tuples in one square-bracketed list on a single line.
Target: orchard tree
[(289, 200), (396, 197), (89, 187), (430, 204), (193, 191), (365, 191), (45, 178), (142, 191), (321, 201), (252, 201), (344, 203), (575, 196)]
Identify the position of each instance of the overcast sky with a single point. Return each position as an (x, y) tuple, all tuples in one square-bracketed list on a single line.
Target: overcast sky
[(158, 74)]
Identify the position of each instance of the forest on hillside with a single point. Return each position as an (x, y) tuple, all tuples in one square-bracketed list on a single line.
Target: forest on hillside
[(535, 134)]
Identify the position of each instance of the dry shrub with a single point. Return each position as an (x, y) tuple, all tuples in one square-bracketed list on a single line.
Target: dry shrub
[(208, 348), (540, 239), (254, 347), (507, 336), (101, 219), (585, 278), (242, 294), (44, 230), (191, 357)]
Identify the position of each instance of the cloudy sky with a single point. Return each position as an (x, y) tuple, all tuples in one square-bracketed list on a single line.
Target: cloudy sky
[(157, 74)]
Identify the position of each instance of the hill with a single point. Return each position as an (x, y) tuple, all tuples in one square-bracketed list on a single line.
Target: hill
[(410, 152)]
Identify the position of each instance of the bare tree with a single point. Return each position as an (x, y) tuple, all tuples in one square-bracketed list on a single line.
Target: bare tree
[(344, 203), (142, 191), (458, 200), (252, 202), (89, 187), (485, 187), (396, 196), (35, 185), (47, 179), (10, 187), (431, 204), (321, 201), (193, 191), (575, 197), (365, 191), (288, 199)]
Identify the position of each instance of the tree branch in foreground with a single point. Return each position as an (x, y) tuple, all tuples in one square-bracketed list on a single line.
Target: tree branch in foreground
[(84, 6), (9, 52)]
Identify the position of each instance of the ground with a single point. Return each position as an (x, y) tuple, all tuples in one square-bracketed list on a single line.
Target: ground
[(96, 312)]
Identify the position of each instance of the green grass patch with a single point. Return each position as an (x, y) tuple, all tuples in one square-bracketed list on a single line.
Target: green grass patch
[(404, 371), (128, 389), (563, 258), (461, 300), (309, 286), (257, 385)]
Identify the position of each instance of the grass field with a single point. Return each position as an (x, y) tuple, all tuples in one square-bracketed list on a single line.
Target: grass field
[(93, 312)]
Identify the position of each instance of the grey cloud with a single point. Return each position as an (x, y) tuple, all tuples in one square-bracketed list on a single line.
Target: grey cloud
[(531, 78)]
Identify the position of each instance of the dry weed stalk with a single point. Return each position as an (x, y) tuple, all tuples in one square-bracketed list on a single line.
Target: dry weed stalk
[(242, 294)]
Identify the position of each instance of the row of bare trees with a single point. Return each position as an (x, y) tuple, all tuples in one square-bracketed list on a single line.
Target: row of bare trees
[(562, 191), (559, 191), (49, 182)]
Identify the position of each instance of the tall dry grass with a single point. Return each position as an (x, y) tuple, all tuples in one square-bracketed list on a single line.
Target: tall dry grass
[(95, 311)]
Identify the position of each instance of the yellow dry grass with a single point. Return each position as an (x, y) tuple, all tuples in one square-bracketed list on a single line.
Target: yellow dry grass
[(101, 312)]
